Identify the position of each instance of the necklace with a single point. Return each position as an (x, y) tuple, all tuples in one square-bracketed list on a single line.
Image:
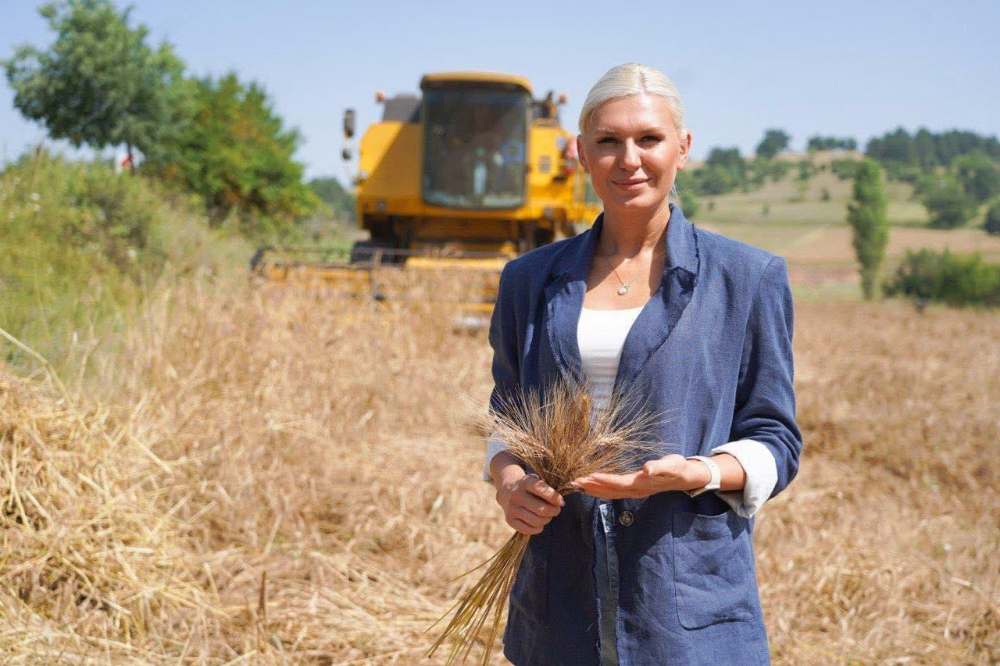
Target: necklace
[(626, 286)]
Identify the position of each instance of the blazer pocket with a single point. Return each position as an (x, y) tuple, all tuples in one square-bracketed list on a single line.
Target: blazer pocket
[(530, 592), (714, 579)]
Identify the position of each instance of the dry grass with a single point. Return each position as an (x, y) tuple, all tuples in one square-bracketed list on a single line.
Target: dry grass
[(263, 477)]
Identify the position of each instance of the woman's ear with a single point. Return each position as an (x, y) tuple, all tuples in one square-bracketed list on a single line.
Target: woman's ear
[(580, 156), (685, 149)]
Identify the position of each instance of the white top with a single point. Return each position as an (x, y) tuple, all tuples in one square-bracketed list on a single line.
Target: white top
[(601, 335)]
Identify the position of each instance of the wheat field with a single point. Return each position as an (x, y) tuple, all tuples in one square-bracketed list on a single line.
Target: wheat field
[(273, 477)]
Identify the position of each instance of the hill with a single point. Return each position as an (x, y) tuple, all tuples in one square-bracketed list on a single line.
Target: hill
[(805, 222)]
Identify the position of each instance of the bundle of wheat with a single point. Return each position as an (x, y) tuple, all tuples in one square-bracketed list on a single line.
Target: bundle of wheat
[(560, 435)]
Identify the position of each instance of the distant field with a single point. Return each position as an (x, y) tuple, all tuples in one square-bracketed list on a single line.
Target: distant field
[(815, 239)]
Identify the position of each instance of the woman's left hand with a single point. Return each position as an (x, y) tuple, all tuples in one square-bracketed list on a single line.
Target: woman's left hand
[(671, 472)]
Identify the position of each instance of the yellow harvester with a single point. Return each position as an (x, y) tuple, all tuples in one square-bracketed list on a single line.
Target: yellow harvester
[(454, 182)]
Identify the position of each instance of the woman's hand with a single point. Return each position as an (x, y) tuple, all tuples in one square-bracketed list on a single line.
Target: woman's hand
[(672, 472), (528, 503)]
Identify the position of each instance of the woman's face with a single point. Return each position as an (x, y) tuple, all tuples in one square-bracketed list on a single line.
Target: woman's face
[(632, 152)]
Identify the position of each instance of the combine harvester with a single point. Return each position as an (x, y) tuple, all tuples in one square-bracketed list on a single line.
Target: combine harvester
[(450, 185)]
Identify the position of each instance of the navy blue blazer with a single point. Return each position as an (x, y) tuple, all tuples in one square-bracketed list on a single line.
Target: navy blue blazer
[(712, 348)]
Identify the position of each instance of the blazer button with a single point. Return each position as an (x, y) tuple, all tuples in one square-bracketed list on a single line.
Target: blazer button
[(626, 518)]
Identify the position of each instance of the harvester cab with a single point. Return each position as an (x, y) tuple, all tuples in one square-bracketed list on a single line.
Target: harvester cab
[(449, 186)]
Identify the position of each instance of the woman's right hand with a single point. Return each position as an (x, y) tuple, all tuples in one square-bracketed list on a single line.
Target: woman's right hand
[(528, 503)]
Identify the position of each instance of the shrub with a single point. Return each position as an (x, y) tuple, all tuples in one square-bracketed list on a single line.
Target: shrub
[(955, 279), (689, 203), (979, 176), (992, 224), (844, 168), (948, 206), (78, 243)]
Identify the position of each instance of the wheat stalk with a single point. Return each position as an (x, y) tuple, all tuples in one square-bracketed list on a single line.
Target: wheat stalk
[(561, 436)]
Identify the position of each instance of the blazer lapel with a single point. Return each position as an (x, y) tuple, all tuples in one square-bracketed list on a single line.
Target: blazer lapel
[(564, 300), (567, 287), (664, 309)]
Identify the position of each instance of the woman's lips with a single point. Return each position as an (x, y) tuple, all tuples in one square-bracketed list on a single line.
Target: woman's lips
[(629, 185)]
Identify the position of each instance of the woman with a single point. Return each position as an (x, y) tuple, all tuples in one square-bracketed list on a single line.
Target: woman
[(657, 566)]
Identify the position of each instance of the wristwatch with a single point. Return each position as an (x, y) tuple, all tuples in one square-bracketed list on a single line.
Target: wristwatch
[(714, 483)]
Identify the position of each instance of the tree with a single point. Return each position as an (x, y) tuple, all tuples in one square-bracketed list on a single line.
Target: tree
[(947, 203), (774, 141), (818, 142), (978, 175), (237, 155), (712, 180), (332, 193), (724, 170), (99, 83), (992, 224), (867, 216), (895, 148), (845, 169), (727, 158), (926, 150), (925, 145)]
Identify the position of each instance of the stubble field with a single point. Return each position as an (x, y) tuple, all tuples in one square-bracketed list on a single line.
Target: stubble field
[(275, 477)]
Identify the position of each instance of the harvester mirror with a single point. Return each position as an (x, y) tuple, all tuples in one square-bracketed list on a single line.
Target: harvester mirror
[(349, 123)]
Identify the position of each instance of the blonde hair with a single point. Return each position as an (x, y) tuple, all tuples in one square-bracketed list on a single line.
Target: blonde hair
[(633, 79)]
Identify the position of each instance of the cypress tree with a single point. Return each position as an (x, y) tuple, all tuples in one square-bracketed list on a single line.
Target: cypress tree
[(867, 216)]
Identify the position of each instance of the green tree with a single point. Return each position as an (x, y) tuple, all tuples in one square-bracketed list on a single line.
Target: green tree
[(237, 154), (978, 175), (926, 148), (867, 216), (727, 158), (332, 193), (774, 141), (724, 170), (992, 223), (714, 180), (895, 148), (99, 83), (845, 168), (779, 170), (684, 183), (818, 142), (947, 203), (690, 204)]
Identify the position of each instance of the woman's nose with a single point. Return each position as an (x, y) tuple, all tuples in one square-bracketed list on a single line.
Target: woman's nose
[(629, 158)]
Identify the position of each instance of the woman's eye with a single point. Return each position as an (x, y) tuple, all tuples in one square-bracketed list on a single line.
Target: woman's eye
[(650, 138), (607, 139)]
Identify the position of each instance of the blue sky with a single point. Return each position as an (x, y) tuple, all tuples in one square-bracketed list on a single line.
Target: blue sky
[(843, 68)]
